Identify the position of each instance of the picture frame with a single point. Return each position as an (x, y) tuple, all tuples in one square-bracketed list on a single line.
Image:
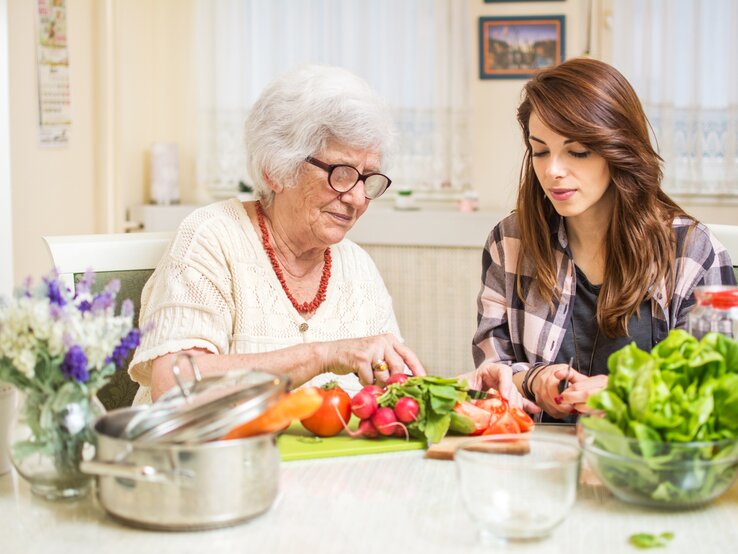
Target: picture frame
[(516, 47)]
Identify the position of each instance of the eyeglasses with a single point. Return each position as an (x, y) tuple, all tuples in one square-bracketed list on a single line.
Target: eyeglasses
[(342, 178)]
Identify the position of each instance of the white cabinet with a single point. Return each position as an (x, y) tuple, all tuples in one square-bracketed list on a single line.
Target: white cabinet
[(154, 217)]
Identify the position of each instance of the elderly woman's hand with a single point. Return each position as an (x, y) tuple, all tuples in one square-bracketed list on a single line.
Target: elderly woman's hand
[(499, 376), (373, 359)]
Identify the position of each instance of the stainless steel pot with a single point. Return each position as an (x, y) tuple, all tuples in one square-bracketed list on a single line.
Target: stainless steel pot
[(189, 486)]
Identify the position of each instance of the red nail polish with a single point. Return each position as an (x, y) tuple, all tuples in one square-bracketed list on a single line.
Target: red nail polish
[(573, 412), (558, 400)]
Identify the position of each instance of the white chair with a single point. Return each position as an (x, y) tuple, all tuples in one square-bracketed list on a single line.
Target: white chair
[(129, 257), (75, 254), (728, 236)]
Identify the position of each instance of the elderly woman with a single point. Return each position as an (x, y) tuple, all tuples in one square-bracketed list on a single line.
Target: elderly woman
[(273, 283)]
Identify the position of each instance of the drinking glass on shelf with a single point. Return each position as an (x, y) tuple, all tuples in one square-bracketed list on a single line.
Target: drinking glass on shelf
[(518, 487)]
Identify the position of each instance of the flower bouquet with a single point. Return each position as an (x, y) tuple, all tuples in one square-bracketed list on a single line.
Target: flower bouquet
[(58, 348)]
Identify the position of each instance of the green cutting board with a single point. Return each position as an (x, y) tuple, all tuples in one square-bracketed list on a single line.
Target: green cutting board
[(296, 443)]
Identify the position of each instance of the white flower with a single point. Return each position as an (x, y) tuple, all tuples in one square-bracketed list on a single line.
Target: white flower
[(45, 322), (73, 418)]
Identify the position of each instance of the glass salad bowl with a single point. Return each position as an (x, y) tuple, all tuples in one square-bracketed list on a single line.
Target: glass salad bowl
[(659, 474)]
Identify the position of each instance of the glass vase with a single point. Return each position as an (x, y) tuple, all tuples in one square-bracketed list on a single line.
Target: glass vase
[(52, 433)]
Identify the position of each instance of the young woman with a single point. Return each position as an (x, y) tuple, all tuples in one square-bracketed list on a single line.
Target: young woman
[(596, 255)]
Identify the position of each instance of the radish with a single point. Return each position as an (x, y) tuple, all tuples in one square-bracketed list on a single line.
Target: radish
[(364, 404), (385, 421), (406, 409), (402, 431), (398, 378), (374, 390), (367, 429)]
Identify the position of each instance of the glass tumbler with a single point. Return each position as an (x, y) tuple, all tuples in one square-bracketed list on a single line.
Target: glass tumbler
[(518, 487)]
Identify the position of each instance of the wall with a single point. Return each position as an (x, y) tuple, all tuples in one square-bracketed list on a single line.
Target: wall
[(154, 94), (6, 222), (497, 145), (132, 83), (52, 188), (496, 141)]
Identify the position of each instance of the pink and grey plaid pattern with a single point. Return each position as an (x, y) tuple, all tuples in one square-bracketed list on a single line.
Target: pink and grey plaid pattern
[(523, 331)]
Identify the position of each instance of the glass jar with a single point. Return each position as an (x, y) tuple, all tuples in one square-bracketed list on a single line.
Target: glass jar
[(50, 436), (715, 311)]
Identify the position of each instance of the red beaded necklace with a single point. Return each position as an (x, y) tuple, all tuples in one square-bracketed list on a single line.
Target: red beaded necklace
[(305, 307)]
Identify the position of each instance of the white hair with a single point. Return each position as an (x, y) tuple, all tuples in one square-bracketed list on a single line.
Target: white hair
[(300, 112)]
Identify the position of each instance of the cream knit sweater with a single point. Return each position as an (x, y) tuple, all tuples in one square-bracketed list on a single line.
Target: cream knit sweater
[(215, 289)]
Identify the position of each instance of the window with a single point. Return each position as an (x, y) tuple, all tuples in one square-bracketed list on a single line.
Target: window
[(414, 53), (681, 56)]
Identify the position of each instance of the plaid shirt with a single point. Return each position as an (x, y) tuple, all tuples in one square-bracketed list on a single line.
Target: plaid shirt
[(525, 332)]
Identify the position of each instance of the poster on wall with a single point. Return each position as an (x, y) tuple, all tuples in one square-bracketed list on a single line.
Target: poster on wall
[(52, 59)]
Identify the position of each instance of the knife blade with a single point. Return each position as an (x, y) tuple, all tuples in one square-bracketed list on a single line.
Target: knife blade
[(475, 394), (563, 385)]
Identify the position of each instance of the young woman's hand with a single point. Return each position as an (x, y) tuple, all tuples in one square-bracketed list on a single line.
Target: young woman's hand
[(499, 376), (578, 392), (545, 385)]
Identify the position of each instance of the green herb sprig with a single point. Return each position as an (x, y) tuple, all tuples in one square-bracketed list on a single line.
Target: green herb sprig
[(647, 540), (436, 397)]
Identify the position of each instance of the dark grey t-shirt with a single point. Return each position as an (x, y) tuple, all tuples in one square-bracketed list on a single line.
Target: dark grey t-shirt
[(584, 324)]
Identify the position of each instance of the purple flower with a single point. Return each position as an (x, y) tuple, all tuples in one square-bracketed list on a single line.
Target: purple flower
[(102, 301), (56, 295), (56, 311), (85, 284), (84, 306), (75, 364), (126, 308), (113, 287), (129, 342), (27, 284)]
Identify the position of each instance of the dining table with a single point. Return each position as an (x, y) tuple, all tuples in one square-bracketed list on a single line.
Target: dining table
[(389, 502)]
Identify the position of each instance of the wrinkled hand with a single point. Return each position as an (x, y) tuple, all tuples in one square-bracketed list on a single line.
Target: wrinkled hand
[(357, 356), (580, 390), (499, 376)]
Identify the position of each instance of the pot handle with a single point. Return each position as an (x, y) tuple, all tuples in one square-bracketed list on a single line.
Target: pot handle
[(128, 471)]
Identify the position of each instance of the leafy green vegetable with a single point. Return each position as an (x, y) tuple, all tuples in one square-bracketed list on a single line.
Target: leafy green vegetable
[(647, 540), (461, 424), (684, 391), (436, 397)]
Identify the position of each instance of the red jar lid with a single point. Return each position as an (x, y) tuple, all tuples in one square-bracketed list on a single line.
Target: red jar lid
[(720, 298), (725, 300)]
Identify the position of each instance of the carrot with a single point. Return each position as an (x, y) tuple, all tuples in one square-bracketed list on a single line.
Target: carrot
[(298, 404)]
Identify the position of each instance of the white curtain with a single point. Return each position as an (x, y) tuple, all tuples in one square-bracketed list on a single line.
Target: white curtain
[(415, 53), (682, 58)]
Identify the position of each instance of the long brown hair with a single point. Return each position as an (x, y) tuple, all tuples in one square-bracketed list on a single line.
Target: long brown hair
[(590, 102)]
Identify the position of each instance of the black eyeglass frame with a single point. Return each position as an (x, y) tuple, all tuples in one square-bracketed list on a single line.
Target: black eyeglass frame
[(360, 176)]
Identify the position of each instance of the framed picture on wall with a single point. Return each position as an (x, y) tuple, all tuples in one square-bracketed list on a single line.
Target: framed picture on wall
[(517, 47)]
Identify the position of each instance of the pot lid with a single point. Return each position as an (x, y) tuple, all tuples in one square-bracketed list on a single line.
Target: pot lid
[(206, 407)]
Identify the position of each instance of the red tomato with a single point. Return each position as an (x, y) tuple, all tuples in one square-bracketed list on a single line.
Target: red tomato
[(495, 405), (524, 421), (505, 424), (479, 416), (332, 415)]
